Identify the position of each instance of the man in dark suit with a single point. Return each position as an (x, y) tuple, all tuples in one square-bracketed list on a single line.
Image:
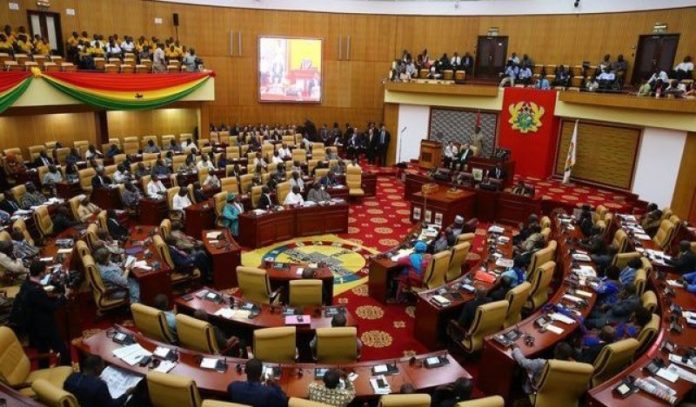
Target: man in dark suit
[(265, 201), (371, 144), (37, 314), (619, 312), (186, 262), (685, 262), (100, 180), (255, 393), (43, 160), (116, 230), (8, 204), (383, 138), (469, 310), (464, 155), (89, 388), (498, 172)]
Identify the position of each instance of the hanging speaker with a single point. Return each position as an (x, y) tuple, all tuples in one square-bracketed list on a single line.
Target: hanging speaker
[(175, 18)]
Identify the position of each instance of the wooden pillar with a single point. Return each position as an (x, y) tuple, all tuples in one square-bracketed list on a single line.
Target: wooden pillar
[(102, 127), (204, 120)]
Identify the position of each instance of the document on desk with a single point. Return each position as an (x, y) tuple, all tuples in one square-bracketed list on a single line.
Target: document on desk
[(678, 360), (380, 385), (556, 316), (209, 363), (581, 257), (555, 329), (118, 380), (212, 235), (225, 313), (642, 236), (142, 264), (165, 366), (668, 374), (131, 354)]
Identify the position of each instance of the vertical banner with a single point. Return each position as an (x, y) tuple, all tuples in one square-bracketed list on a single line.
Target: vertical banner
[(529, 129)]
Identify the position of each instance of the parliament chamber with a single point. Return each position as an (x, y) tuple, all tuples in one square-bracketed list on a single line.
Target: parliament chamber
[(347, 203)]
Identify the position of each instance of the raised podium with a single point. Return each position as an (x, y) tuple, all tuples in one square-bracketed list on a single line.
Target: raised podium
[(430, 154)]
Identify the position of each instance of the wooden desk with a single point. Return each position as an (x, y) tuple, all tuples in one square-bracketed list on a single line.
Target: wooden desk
[(497, 365), (440, 204), (10, 397), (155, 281), (281, 277), (275, 226), (107, 198), (322, 219), (199, 217), (294, 378), (152, 211), (430, 322), (225, 254), (67, 190), (369, 183)]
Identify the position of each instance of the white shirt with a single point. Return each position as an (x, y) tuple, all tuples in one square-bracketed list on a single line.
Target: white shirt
[(155, 189), (606, 76), (684, 66), (293, 199), (276, 159), (120, 177), (662, 76), (127, 46), (158, 57), (297, 182), (205, 164), (284, 152), (450, 151), (179, 203), (211, 181), (456, 60), (113, 50)]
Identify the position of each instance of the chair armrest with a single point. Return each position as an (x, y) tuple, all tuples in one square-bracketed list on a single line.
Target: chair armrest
[(115, 290), (455, 331)]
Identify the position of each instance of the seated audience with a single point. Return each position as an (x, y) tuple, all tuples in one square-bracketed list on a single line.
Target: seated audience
[(329, 391), (90, 389), (131, 196), (510, 74), (100, 180), (452, 394), (21, 249), (229, 346), (9, 262), (265, 201), (628, 274), (294, 197), (499, 293), (414, 266), (684, 69), (7, 203), (318, 193), (43, 160), (534, 367), (114, 226), (52, 177), (619, 312), (186, 260), (151, 147), (230, 213), (253, 391), (518, 271), (92, 153), (156, 189), (466, 317), (181, 200), (161, 302), (62, 219), (114, 276)]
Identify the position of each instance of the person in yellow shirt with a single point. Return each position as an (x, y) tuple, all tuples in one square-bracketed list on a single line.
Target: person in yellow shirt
[(23, 44), (179, 49), (170, 52), (84, 37), (9, 34), (5, 44), (73, 40), (42, 47)]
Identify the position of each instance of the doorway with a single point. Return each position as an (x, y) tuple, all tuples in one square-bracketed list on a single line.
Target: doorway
[(491, 53), (654, 51), (47, 24)]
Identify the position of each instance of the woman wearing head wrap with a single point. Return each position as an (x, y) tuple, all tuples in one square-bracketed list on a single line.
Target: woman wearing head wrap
[(230, 213), (415, 265)]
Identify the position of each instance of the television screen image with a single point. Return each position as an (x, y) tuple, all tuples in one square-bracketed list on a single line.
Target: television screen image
[(290, 70)]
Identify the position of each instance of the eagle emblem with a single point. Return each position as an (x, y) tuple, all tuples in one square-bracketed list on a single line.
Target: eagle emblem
[(525, 117)]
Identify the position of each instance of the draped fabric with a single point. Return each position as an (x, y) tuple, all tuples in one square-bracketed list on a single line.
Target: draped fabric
[(12, 86), (126, 91)]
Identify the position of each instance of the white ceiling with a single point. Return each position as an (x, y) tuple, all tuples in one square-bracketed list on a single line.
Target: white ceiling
[(450, 7)]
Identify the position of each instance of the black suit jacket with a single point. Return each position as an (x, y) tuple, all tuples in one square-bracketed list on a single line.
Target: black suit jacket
[(497, 173), (116, 230), (100, 182), (9, 206), (39, 162), (265, 202), (387, 139), (685, 262), (38, 315)]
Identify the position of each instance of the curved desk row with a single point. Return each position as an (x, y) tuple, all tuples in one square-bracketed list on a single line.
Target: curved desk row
[(604, 395), (497, 374), (294, 378)]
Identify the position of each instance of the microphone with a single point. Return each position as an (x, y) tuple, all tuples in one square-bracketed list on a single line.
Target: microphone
[(404, 129)]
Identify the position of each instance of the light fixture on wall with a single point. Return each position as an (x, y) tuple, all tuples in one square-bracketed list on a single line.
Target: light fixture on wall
[(493, 32), (660, 28), (43, 3)]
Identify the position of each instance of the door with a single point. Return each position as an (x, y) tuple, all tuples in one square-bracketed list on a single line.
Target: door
[(47, 25), (491, 53), (654, 51)]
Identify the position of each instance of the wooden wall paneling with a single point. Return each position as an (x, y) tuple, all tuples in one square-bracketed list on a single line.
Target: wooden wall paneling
[(157, 122), (391, 121), (605, 155), (682, 200), (25, 131)]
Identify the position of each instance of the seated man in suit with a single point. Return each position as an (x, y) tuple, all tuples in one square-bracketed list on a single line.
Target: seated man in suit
[(43, 160), (86, 209), (253, 391), (62, 219), (651, 220), (318, 194), (591, 344), (463, 157), (685, 261), (595, 242), (89, 389), (466, 318), (229, 346), (517, 272), (116, 229), (186, 261), (531, 242), (534, 367), (498, 172), (604, 259), (454, 393), (523, 189), (100, 180), (628, 274), (525, 229), (506, 283), (21, 248), (265, 201)]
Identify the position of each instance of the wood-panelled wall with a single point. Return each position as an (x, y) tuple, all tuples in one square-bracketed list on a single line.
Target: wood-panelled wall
[(157, 122), (25, 131), (604, 154), (684, 198), (353, 90)]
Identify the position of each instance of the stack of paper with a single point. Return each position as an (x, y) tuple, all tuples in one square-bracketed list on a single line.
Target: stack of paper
[(165, 366), (441, 300), (556, 316), (581, 257), (496, 229), (554, 329), (142, 264), (118, 380), (502, 262), (209, 363), (131, 354), (572, 298)]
